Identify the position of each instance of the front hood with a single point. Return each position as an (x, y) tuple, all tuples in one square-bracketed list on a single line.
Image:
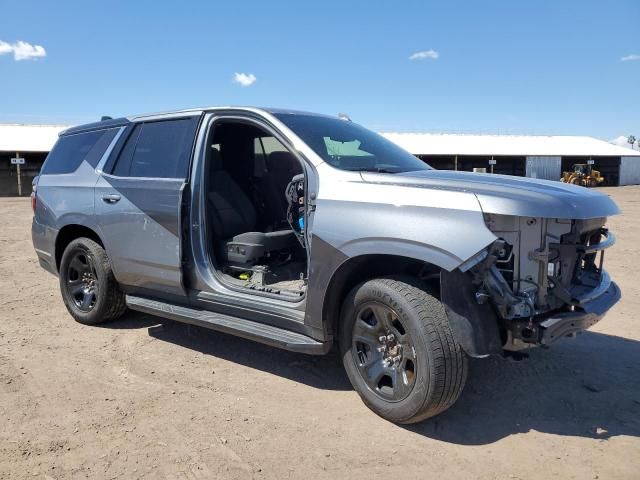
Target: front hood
[(507, 195)]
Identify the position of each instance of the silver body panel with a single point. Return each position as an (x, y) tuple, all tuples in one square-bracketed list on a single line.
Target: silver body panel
[(57, 208), (141, 230), (361, 213), (507, 195)]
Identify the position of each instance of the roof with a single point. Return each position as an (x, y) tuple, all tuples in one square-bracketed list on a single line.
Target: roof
[(40, 138), (511, 145), (272, 110), (28, 138), (107, 123), (174, 114)]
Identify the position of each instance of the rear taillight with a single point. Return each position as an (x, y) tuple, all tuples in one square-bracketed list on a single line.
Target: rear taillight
[(34, 190)]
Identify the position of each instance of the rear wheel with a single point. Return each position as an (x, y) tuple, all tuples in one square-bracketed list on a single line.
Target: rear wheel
[(89, 290), (399, 351)]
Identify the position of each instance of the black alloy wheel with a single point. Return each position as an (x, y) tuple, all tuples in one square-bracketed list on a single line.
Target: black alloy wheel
[(383, 352), (81, 281)]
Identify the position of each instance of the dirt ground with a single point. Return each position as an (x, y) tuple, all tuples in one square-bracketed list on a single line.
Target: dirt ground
[(147, 398)]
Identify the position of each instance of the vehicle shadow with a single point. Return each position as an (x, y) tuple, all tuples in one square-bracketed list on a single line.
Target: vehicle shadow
[(323, 372), (587, 387)]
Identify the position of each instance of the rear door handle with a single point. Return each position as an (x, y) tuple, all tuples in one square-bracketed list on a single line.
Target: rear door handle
[(111, 198)]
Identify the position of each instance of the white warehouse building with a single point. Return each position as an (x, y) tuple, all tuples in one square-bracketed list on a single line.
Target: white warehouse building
[(537, 156), (29, 145), (523, 155)]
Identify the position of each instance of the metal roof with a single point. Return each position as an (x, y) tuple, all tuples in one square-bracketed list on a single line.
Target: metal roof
[(511, 145), (28, 138)]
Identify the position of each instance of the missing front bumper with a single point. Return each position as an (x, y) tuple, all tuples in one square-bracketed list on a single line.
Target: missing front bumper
[(585, 314)]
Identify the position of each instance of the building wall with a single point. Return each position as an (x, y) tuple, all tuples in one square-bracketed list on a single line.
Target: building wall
[(9, 172), (615, 170), (505, 165), (546, 168), (629, 171)]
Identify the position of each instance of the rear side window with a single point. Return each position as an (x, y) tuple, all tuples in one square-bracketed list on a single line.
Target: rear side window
[(158, 149), (71, 150)]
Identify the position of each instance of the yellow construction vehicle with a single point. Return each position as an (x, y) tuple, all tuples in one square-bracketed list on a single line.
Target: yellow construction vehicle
[(583, 174)]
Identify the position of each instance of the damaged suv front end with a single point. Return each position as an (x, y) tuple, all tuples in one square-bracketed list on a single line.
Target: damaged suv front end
[(545, 277), (527, 265)]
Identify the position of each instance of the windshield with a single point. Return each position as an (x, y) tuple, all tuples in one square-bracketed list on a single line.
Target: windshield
[(348, 146)]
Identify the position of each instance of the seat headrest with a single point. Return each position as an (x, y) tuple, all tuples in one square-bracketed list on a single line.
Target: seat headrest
[(216, 160), (280, 161)]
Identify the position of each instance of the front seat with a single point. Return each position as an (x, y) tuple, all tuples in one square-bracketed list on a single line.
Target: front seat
[(233, 221)]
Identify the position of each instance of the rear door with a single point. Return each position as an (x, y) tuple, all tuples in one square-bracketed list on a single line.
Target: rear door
[(138, 201)]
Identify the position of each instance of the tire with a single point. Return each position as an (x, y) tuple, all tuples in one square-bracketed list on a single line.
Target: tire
[(89, 290), (432, 369)]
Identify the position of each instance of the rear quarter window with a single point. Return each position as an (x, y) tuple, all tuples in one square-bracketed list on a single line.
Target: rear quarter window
[(71, 150)]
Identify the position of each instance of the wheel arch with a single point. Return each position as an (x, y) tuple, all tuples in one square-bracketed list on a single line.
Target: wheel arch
[(68, 234), (474, 326), (355, 270)]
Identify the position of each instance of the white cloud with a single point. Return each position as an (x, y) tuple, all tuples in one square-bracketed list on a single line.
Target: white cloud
[(431, 54), (22, 50), (629, 58), (244, 79)]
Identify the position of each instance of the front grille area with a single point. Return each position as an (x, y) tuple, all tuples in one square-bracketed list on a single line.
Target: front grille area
[(543, 262), (581, 257)]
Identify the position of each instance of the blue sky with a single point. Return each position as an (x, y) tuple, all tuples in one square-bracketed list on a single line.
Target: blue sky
[(550, 67)]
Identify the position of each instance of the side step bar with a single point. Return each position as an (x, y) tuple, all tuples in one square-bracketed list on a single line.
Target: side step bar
[(267, 334)]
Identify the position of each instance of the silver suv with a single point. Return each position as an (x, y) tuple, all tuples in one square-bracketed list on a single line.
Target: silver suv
[(301, 230)]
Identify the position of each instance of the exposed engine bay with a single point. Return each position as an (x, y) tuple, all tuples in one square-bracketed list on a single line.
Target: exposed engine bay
[(542, 276)]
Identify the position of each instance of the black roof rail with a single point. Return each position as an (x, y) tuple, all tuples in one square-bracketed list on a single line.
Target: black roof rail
[(112, 123)]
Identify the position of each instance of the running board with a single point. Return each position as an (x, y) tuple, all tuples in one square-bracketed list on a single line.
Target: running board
[(260, 332)]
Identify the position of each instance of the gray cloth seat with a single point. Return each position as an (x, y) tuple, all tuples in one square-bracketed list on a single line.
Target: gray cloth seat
[(233, 221)]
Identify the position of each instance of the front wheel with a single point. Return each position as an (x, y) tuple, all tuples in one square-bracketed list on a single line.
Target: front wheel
[(399, 351), (89, 290)]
